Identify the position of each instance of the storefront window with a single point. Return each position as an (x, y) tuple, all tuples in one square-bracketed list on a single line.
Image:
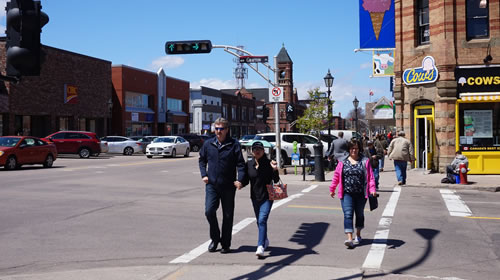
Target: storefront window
[(479, 126), (81, 124), (1, 125), (174, 105), (63, 123)]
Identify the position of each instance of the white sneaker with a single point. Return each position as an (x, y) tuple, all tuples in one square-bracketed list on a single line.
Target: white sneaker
[(260, 252), (266, 244), (349, 244), (356, 240)]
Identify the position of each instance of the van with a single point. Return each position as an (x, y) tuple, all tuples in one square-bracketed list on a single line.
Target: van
[(348, 134)]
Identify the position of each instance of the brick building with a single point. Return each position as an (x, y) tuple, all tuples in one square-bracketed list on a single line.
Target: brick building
[(72, 92), (447, 87)]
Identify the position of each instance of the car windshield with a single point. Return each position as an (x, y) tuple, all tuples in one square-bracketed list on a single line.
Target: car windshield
[(248, 137), (164, 140), (9, 141)]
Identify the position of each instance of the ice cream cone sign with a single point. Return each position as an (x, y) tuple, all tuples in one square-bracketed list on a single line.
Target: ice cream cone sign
[(377, 9)]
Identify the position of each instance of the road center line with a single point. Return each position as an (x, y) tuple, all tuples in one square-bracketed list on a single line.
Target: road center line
[(376, 254), (456, 206), (198, 251)]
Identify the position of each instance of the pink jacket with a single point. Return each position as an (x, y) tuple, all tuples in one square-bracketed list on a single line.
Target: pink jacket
[(337, 179)]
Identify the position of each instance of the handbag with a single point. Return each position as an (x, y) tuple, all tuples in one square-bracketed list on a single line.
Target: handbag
[(277, 191), (373, 200)]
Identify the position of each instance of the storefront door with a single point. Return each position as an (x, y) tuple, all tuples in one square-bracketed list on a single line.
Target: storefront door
[(424, 136)]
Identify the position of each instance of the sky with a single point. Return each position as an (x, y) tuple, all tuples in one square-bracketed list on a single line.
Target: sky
[(318, 35)]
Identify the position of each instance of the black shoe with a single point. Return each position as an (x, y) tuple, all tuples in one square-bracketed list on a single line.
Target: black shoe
[(225, 250), (213, 246)]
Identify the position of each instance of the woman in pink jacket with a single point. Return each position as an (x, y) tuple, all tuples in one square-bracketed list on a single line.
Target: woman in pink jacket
[(354, 176)]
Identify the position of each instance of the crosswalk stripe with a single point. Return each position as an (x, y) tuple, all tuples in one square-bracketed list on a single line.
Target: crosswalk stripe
[(456, 206)]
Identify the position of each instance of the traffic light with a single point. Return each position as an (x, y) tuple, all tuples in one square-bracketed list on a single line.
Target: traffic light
[(24, 25), (290, 112), (265, 113), (188, 47)]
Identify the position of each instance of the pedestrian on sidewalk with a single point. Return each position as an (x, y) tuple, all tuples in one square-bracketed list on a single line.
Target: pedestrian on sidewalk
[(223, 156), (354, 176), (401, 151), (338, 150), (260, 172), (374, 153), (381, 141)]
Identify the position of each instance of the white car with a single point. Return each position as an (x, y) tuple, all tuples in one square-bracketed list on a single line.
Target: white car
[(122, 145), (168, 146), (287, 139)]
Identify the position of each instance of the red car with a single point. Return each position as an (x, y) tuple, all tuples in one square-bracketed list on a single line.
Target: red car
[(19, 150), (83, 143)]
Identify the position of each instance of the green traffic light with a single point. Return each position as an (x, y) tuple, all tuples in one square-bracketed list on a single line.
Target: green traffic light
[(196, 47), (171, 47)]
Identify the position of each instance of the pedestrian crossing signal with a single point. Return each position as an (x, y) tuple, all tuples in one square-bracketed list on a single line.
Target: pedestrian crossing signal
[(188, 47)]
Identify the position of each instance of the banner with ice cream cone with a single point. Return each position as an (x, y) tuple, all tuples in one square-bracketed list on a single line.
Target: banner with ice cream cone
[(376, 24)]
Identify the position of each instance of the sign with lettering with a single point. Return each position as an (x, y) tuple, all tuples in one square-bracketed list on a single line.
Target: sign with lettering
[(254, 59), (477, 79), (426, 74)]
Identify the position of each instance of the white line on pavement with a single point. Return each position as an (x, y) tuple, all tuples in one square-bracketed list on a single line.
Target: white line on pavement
[(455, 204), (312, 187), (198, 251), (376, 254)]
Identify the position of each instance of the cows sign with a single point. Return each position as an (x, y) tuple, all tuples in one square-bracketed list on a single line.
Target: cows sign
[(383, 63), (428, 73)]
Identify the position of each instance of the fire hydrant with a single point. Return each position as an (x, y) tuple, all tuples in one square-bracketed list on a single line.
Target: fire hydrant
[(463, 173)]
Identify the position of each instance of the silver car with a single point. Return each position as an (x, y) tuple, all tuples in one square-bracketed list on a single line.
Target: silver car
[(122, 145), (168, 146)]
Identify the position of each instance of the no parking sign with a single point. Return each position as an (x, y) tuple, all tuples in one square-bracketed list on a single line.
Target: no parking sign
[(276, 94)]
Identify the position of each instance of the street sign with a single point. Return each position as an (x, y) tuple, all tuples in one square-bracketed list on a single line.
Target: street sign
[(276, 94), (295, 159), (253, 59)]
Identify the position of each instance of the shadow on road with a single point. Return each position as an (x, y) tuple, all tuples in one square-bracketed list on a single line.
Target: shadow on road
[(309, 235)]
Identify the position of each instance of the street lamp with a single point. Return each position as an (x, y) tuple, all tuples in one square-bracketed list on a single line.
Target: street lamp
[(355, 102), (328, 83)]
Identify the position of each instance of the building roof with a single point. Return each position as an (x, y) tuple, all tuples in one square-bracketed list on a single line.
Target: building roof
[(283, 55)]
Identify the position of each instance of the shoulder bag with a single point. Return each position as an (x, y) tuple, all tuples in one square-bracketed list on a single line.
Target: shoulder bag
[(276, 191)]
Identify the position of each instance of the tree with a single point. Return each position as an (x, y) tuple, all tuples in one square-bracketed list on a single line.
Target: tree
[(315, 117), (362, 124)]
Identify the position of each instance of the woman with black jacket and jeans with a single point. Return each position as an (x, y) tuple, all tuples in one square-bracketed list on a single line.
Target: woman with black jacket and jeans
[(260, 172)]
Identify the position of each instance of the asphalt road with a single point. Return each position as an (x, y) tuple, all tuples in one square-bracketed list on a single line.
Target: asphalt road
[(119, 211)]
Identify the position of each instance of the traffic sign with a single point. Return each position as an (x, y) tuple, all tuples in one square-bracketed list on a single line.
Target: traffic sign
[(295, 159), (253, 59), (276, 94)]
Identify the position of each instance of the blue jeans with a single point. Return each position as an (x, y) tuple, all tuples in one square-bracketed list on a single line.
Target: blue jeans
[(376, 174), (353, 204), (224, 195), (400, 166), (381, 162), (262, 210)]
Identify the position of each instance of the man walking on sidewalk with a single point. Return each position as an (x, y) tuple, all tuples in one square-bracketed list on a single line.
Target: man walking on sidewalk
[(223, 156), (401, 151)]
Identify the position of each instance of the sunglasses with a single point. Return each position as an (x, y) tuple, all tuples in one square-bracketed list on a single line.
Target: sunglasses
[(220, 128)]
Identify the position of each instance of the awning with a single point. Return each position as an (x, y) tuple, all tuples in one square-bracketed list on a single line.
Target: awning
[(486, 96)]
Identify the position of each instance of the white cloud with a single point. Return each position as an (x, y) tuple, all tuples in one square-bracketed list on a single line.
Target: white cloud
[(167, 62), (366, 65), (214, 83)]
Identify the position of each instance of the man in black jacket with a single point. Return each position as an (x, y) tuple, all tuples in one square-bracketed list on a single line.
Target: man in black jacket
[(223, 156)]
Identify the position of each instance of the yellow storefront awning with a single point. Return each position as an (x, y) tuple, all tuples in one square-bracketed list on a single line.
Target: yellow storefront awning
[(487, 96)]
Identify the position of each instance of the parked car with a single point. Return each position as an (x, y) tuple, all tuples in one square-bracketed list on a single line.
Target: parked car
[(122, 145), (195, 141), (83, 143), (246, 138), (168, 146), (145, 141), (20, 150), (104, 146), (287, 139)]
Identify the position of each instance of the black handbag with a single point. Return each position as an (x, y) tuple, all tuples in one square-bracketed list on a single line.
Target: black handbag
[(373, 200)]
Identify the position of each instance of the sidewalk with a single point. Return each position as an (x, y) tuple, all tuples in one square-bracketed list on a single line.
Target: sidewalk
[(417, 178)]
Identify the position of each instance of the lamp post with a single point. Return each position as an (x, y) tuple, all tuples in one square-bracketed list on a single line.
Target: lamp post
[(355, 102), (328, 83)]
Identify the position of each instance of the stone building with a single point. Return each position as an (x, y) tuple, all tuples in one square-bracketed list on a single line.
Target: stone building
[(447, 87)]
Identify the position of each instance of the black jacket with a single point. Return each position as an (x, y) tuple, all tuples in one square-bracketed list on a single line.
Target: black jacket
[(222, 162), (260, 177)]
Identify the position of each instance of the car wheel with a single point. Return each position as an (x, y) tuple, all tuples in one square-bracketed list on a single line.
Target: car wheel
[(187, 152), (128, 151), (149, 156), (11, 163), (49, 161), (174, 153), (84, 153), (196, 148)]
